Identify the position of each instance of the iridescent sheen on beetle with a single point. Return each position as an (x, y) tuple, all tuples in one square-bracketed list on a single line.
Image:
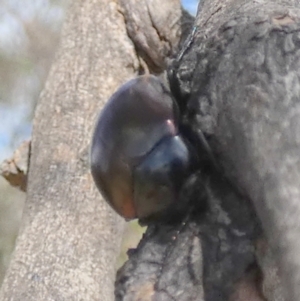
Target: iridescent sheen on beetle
[(139, 160)]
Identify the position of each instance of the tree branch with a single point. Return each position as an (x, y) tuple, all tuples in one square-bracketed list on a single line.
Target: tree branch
[(15, 169)]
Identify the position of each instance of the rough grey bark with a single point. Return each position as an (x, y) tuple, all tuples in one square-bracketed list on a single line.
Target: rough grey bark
[(69, 237), (209, 255), (243, 93), (237, 80)]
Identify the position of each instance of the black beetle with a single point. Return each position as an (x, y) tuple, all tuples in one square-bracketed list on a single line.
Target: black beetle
[(139, 160)]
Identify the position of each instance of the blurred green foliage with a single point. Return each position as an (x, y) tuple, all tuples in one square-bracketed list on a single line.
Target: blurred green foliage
[(11, 206), (132, 235)]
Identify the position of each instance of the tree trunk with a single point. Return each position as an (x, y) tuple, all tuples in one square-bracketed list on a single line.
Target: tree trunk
[(237, 82), (243, 93), (70, 238)]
